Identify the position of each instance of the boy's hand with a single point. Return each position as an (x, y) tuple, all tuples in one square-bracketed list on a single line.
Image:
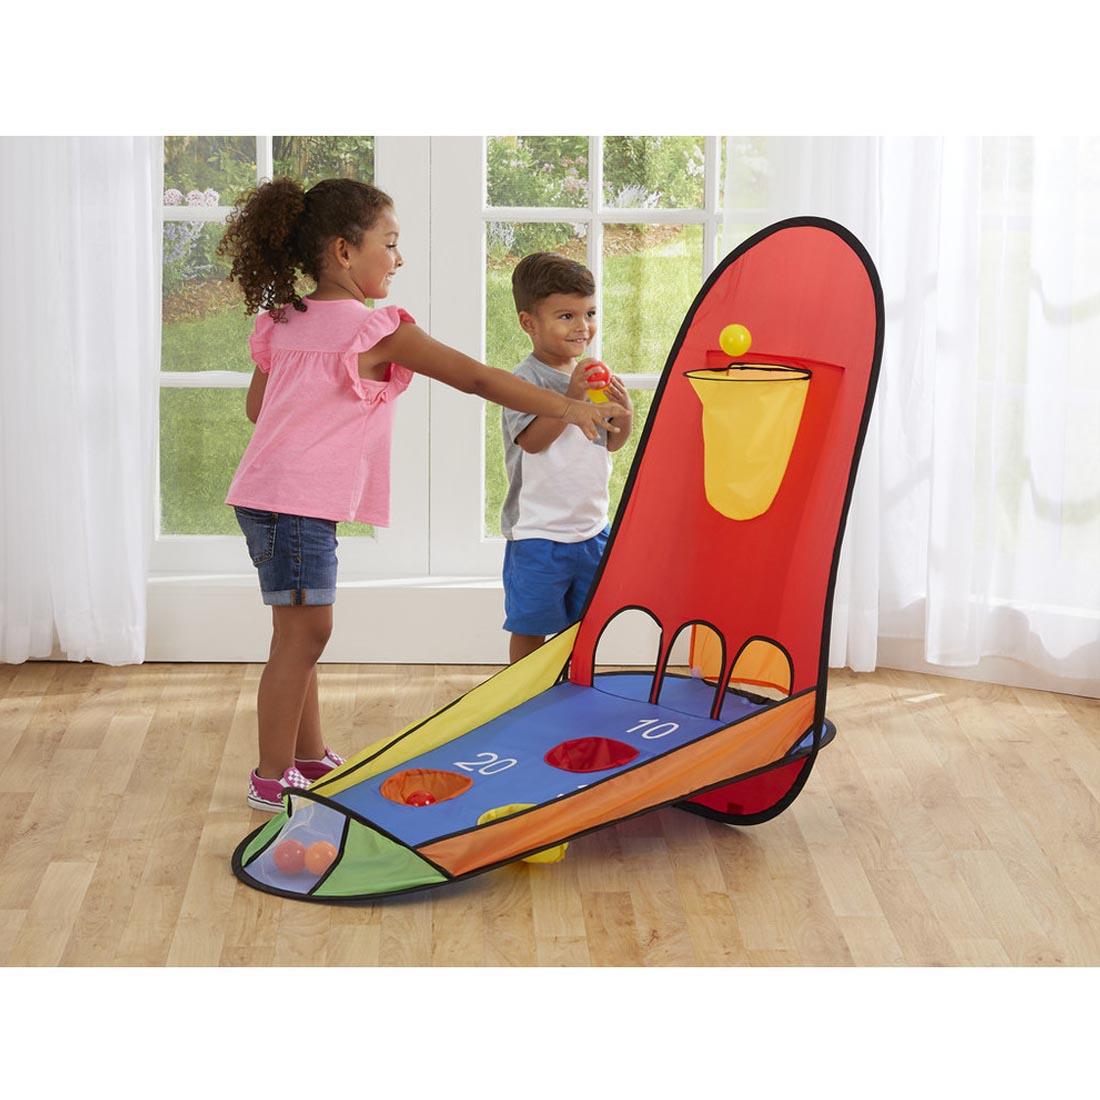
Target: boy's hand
[(590, 418), (617, 392)]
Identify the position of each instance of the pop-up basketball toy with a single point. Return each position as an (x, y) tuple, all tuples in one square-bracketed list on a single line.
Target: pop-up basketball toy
[(729, 529)]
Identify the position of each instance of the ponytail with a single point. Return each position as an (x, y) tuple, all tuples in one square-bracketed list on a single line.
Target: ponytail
[(260, 237), (277, 230)]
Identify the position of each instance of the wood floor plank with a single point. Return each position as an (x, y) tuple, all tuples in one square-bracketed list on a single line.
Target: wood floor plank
[(11, 921), (915, 927), (52, 914), (507, 908), (871, 941), (611, 928), (354, 936), (199, 937), (406, 932), (303, 935), (458, 926), (659, 920)]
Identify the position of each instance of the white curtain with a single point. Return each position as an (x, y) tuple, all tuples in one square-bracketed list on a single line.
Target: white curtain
[(79, 355), (975, 525)]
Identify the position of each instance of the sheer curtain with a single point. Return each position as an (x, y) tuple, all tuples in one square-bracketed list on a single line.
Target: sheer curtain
[(79, 350), (974, 530)]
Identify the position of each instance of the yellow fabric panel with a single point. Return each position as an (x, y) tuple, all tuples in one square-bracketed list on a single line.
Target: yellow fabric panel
[(497, 695), (751, 743), (549, 855), (706, 652)]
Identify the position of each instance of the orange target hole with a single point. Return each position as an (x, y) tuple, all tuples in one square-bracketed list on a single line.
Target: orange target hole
[(410, 787)]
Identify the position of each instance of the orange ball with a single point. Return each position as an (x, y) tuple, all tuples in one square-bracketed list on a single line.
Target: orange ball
[(320, 856), (290, 857)]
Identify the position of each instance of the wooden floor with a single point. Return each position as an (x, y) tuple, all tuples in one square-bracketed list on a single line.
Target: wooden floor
[(950, 823)]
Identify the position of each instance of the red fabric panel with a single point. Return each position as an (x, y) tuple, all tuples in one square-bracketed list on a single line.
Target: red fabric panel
[(808, 300), (755, 795)]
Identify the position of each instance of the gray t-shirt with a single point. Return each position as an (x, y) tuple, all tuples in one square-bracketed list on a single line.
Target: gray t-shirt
[(561, 492)]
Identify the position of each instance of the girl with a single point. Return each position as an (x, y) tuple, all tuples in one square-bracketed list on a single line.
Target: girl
[(321, 397)]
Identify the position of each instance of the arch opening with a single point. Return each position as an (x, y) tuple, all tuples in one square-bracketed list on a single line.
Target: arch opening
[(684, 686), (627, 654)]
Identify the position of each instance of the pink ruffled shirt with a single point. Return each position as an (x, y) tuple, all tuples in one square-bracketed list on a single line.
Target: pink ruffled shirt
[(321, 446)]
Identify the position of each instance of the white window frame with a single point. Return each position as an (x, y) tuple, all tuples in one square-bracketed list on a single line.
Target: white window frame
[(460, 214), (401, 169)]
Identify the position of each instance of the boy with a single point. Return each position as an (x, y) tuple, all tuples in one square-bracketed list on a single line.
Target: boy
[(555, 512)]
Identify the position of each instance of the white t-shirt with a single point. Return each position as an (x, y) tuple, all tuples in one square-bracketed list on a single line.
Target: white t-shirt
[(561, 492)]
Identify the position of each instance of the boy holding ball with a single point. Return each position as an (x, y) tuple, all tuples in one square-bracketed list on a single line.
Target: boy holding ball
[(554, 516)]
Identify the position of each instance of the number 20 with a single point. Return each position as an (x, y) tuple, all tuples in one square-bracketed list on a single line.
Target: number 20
[(487, 763)]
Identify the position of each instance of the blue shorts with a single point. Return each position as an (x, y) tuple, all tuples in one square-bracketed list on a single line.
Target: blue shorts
[(546, 583), (294, 555)]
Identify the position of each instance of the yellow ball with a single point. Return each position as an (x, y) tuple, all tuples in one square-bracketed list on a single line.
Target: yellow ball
[(547, 855), (735, 340)]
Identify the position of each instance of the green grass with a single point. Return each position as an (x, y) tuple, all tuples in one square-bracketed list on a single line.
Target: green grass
[(646, 295), (218, 340), (204, 431)]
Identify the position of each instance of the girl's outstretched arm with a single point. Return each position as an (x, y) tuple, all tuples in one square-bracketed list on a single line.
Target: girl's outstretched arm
[(414, 348)]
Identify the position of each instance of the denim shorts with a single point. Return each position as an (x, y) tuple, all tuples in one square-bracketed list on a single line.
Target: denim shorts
[(294, 555), (546, 583)]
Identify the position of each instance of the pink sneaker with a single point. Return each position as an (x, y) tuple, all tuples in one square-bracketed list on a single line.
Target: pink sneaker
[(267, 794), (314, 769)]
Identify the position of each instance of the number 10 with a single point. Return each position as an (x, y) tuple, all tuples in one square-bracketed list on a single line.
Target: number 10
[(660, 729)]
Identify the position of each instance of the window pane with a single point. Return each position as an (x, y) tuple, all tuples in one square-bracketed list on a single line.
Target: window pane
[(204, 325), (309, 159), (651, 275), (203, 433), (506, 243), (537, 171), (496, 483), (653, 172), (220, 168)]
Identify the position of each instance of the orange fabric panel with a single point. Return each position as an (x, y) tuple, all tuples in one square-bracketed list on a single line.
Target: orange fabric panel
[(753, 743), (762, 663)]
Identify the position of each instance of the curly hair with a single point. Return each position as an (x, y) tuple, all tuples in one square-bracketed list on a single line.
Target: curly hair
[(277, 229)]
